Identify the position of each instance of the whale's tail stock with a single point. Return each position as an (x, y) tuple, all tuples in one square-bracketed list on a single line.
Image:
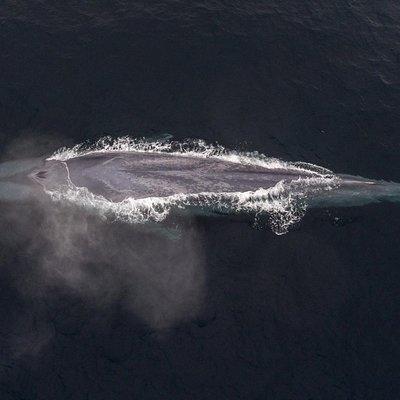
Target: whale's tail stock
[(357, 191)]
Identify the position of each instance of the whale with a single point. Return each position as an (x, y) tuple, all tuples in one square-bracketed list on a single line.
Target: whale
[(117, 176), (122, 175), (152, 182)]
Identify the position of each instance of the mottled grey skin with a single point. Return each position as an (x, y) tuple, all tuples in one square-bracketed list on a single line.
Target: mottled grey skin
[(116, 176)]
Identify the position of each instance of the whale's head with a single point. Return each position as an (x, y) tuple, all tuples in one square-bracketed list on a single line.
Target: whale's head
[(25, 179)]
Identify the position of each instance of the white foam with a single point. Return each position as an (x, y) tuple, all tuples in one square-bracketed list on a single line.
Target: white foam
[(193, 148), (285, 203)]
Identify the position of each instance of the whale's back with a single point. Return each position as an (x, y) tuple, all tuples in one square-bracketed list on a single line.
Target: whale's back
[(117, 176)]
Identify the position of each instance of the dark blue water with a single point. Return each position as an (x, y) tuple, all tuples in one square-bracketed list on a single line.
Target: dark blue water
[(96, 310)]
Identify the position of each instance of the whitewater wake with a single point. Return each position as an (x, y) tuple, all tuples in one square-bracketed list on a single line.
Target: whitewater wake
[(284, 204)]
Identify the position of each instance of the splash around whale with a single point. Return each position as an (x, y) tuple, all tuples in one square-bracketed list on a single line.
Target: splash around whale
[(138, 180)]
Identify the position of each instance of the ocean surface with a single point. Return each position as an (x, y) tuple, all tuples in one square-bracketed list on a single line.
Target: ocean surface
[(202, 307)]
